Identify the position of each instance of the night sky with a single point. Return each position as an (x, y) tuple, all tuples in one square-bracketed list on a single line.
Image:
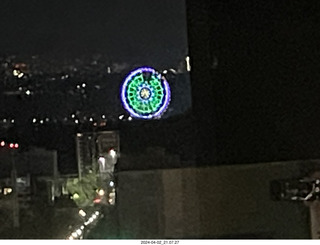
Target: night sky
[(128, 31)]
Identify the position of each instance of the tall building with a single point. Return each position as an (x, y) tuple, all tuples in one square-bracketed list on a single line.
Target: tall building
[(97, 151)]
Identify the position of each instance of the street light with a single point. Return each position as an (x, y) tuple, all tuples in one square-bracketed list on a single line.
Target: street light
[(82, 213)]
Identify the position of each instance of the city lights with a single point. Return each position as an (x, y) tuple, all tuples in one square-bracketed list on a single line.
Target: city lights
[(10, 145), (188, 63), (75, 196), (97, 200), (17, 73), (79, 232), (112, 153), (101, 192), (7, 191), (82, 213)]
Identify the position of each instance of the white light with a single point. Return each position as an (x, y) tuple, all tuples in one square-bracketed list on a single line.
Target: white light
[(103, 116), (76, 121), (94, 216), (91, 220), (82, 227), (20, 75), (70, 238), (78, 86), (111, 183), (79, 232), (84, 85), (82, 213), (28, 92), (101, 192), (102, 160), (7, 191), (188, 63), (73, 115), (41, 121), (121, 117), (112, 153), (90, 119), (34, 120), (15, 72), (2, 143), (97, 213), (47, 119), (129, 118), (74, 234), (12, 120)]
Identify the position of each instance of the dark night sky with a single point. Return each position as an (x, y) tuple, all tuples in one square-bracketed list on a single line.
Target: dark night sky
[(123, 30)]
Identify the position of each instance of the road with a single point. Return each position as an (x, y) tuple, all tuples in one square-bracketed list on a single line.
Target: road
[(107, 227)]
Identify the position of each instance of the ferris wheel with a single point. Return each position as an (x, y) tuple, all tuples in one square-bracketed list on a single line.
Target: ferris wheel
[(145, 93)]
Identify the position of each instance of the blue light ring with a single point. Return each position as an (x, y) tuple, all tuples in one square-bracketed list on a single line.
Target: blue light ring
[(167, 96)]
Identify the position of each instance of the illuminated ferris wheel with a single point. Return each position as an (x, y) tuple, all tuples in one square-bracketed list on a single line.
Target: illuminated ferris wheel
[(145, 93)]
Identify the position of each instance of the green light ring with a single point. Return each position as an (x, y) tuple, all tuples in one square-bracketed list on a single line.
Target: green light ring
[(154, 105)]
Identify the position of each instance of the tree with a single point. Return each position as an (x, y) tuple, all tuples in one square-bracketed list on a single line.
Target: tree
[(83, 191)]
